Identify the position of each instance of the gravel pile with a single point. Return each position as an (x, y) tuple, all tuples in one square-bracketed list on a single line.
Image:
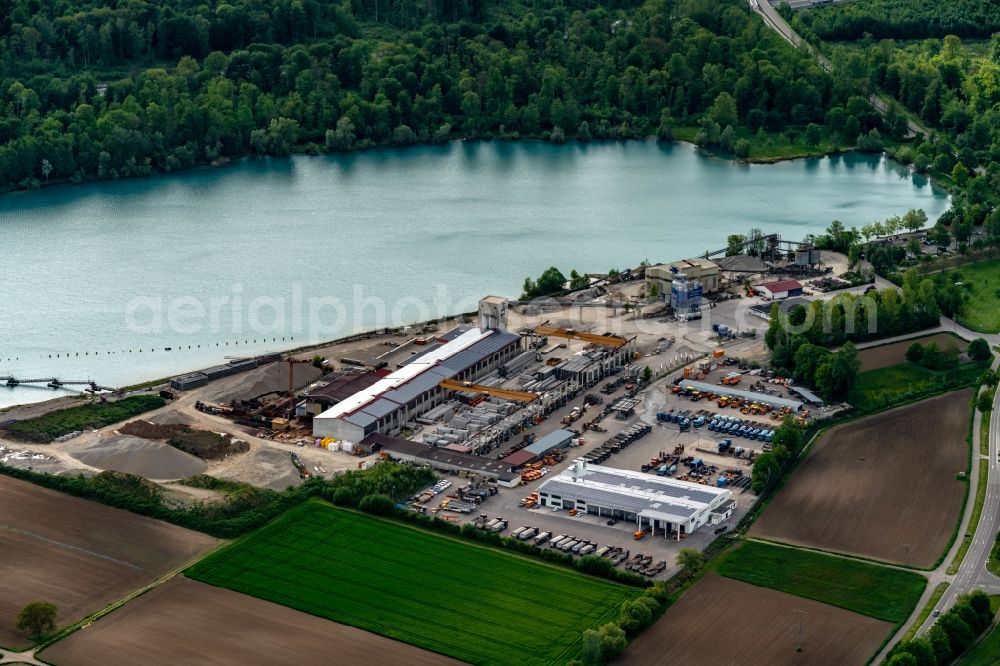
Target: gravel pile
[(143, 457), (271, 378)]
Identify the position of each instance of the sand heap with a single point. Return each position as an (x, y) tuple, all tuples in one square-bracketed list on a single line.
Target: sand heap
[(272, 378), (134, 455)]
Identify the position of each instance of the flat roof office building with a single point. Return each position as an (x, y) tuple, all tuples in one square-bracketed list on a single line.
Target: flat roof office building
[(668, 507)]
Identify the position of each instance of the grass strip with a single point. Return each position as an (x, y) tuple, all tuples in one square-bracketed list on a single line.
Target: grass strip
[(878, 591), (977, 511), (935, 597)]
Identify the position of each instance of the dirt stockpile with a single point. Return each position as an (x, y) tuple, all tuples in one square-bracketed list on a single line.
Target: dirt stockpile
[(143, 457), (207, 445), (202, 443), (148, 430), (272, 378)]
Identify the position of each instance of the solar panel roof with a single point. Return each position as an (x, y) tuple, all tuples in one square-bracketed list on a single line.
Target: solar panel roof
[(614, 500), (652, 484)]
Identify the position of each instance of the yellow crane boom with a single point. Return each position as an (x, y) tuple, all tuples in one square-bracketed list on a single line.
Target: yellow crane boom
[(604, 340), (507, 394)]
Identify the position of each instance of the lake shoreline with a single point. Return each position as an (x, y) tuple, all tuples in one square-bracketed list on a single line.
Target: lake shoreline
[(306, 150), (230, 261)]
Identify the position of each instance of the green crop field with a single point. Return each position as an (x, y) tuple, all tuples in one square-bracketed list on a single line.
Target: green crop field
[(895, 384), (981, 312), (470, 602), (870, 589)]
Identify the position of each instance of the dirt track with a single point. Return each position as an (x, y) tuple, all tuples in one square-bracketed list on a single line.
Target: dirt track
[(725, 621), (187, 622), (882, 487), (78, 554), (891, 354)]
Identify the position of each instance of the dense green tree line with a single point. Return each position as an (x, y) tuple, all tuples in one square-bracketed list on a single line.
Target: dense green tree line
[(954, 92), (951, 635), (89, 90), (903, 19), (856, 318), (245, 508), (770, 466)]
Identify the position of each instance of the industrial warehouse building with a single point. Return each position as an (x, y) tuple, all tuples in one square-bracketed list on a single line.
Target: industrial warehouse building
[(590, 365), (702, 271), (415, 453), (668, 507), (775, 401), (775, 291), (334, 388), (462, 354), (559, 439)]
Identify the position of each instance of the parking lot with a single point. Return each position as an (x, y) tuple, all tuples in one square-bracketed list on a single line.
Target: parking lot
[(663, 437)]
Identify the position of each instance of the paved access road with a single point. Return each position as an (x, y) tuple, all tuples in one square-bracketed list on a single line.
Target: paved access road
[(774, 21), (972, 573), (26, 657)]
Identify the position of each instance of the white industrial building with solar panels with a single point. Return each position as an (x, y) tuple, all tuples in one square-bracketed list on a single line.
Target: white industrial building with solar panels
[(663, 506)]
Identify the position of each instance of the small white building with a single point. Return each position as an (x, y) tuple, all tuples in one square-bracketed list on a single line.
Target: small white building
[(782, 289), (668, 507)]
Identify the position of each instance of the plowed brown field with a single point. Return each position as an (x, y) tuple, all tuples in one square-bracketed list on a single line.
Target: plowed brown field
[(724, 621), (77, 554), (882, 487), (187, 622), (883, 356)]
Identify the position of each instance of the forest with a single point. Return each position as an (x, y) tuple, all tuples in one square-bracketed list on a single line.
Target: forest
[(93, 89), (904, 19), (952, 87)]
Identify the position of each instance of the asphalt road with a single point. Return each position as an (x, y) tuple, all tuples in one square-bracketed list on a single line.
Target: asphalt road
[(973, 573), (774, 21)]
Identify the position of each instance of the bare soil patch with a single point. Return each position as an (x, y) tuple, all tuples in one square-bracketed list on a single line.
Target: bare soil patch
[(187, 622), (724, 621), (77, 554), (882, 487), (892, 354)]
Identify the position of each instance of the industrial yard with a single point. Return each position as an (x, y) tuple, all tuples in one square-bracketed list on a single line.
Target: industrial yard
[(883, 487), (488, 403), (581, 428)]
